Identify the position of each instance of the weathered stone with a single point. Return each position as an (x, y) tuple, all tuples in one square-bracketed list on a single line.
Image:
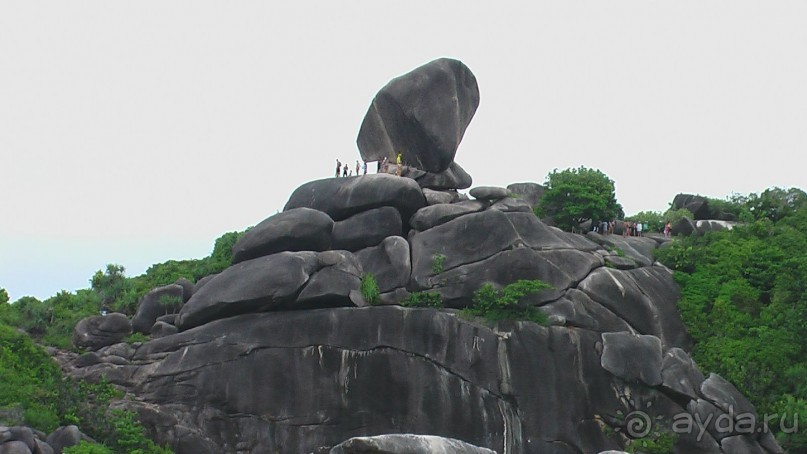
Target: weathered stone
[(162, 329), (720, 392), (367, 229), (99, 331), (529, 192), (455, 177), (680, 374), (706, 226), (389, 263), (683, 226), (167, 299), (298, 229), (406, 444), (638, 249), (711, 419), (620, 263), (435, 197), (434, 215), (328, 287), (741, 444), (14, 447), (696, 204), (491, 193), (510, 204), (249, 286), (537, 235), (580, 311), (633, 357), (64, 437), (646, 298), (341, 198), (422, 114), (203, 281)]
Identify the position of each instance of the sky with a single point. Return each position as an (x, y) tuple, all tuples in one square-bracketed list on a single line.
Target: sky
[(139, 132)]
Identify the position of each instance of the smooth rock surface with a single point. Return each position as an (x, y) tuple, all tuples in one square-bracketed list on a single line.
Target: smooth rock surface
[(99, 331), (367, 229), (422, 114), (160, 301), (406, 444), (298, 229)]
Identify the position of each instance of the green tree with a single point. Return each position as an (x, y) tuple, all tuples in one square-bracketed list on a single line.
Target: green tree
[(573, 196), (3, 296)]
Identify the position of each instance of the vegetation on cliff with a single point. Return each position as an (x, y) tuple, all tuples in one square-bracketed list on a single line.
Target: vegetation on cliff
[(744, 301)]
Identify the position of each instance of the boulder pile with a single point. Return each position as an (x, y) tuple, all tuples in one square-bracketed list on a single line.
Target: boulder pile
[(283, 352)]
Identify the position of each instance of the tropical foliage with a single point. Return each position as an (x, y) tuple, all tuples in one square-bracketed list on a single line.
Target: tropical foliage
[(573, 196)]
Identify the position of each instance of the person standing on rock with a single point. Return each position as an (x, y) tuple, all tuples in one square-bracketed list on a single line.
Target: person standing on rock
[(364, 168), (344, 170), (338, 168), (398, 162), (638, 228), (357, 167)]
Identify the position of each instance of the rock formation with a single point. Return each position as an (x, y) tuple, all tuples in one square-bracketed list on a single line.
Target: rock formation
[(281, 352)]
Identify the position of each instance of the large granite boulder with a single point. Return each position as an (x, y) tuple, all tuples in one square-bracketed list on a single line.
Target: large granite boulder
[(101, 330), (434, 215), (422, 114), (389, 263), (367, 229), (300, 280), (160, 301), (696, 204), (298, 229), (341, 198)]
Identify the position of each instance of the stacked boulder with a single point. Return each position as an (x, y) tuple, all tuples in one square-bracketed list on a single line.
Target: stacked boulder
[(282, 353), (25, 440)]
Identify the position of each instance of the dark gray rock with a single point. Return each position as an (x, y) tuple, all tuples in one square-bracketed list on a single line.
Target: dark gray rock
[(249, 286), (64, 437), (491, 193), (638, 249), (389, 263), (167, 318), (367, 229), (187, 288), (458, 284), (723, 394), (537, 235), (710, 419), (434, 215), (620, 263), (338, 275), (341, 198), (99, 331), (422, 114), (435, 197), (406, 444), (646, 298), (299, 229), (87, 359), (697, 205), (202, 282), (680, 374), (23, 434), (578, 310), (14, 447), (529, 192), (455, 177), (42, 448), (167, 299), (741, 444), (683, 226), (466, 239), (632, 357), (162, 329), (510, 205)]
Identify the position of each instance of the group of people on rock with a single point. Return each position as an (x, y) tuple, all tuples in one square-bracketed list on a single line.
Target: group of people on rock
[(342, 170), (629, 228)]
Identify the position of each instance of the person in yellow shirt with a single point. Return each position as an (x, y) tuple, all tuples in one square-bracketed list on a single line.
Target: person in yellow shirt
[(398, 161)]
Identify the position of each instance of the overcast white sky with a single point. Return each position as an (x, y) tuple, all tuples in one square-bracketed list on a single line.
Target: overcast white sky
[(137, 132)]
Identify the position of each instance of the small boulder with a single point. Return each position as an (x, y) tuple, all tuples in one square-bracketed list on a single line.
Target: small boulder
[(162, 329), (491, 193), (455, 177), (434, 215), (64, 437), (167, 299), (434, 197), (299, 229), (100, 331), (406, 444), (389, 263)]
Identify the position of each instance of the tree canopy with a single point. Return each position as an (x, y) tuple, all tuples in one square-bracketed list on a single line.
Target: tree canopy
[(573, 196)]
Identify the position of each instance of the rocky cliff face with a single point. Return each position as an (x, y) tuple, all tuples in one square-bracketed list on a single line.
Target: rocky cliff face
[(281, 353)]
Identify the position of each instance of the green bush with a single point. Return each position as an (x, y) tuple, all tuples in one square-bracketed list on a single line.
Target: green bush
[(437, 263), (369, 289), (423, 299), (504, 304), (85, 447)]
